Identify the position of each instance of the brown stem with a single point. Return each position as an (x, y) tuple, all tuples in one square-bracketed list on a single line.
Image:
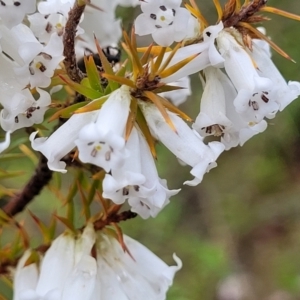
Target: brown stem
[(245, 13), (69, 42), (34, 186), (114, 218)]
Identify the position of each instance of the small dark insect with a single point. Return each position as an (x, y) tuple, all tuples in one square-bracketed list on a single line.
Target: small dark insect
[(113, 55)]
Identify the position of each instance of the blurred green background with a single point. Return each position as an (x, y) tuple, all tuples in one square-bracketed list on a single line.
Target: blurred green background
[(238, 232)]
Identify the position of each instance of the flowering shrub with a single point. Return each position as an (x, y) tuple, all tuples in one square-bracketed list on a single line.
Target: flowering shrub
[(110, 111)]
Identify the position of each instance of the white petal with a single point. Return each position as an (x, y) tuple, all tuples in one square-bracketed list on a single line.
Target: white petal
[(25, 277), (57, 264), (4, 145), (81, 283), (61, 142)]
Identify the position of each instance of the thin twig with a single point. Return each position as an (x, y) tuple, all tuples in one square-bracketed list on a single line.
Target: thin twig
[(34, 186), (114, 218), (69, 42), (245, 13)]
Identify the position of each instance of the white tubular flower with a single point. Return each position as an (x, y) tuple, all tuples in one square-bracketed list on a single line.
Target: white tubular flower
[(159, 198), (68, 271), (11, 40), (51, 18), (4, 145), (212, 119), (12, 12), (26, 276), (240, 131), (23, 110), (285, 93), (127, 181), (209, 55), (137, 180), (120, 277), (9, 85), (62, 141), (254, 99), (103, 24), (102, 143), (178, 97), (40, 61), (165, 20), (184, 143), (193, 30)]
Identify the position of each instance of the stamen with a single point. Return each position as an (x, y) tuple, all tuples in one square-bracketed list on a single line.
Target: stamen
[(31, 70), (153, 16), (40, 66), (29, 111), (46, 55), (254, 105), (48, 27), (163, 8), (125, 191), (216, 129), (94, 152), (107, 155), (264, 98)]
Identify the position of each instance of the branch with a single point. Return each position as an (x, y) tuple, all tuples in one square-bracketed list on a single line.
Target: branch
[(34, 186), (69, 42), (114, 218), (245, 13)]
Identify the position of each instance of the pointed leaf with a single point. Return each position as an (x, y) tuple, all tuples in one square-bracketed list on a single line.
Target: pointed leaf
[(106, 65), (94, 105), (146, 55), (280, 12), (92, 73), (121, 80), (11, 156), (158, 61), (11, 174), (167, 88), (173, 69), (154, 50), (66, 222), (169, 58), (262, 36), (156, 100), (167, 104), (140, 119), (92, 191), (67, 111), (131, 118), (137, 66), (219, 9), (81, 89), (86, 205), (29, 153)]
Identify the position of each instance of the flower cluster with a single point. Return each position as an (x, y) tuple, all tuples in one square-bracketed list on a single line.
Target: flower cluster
[(115, 112), (93, 266)]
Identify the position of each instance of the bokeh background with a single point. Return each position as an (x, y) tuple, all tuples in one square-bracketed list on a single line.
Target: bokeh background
[(238, 232)]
